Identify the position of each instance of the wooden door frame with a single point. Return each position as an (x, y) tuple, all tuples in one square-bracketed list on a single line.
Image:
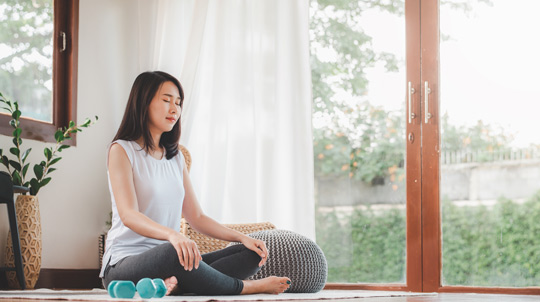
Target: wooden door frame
[(413, 138), (431, 243)]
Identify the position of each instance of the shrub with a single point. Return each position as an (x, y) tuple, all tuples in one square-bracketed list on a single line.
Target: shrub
[(483, 245)]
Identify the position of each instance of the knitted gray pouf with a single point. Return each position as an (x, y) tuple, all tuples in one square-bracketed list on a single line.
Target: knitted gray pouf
[(295, 256)]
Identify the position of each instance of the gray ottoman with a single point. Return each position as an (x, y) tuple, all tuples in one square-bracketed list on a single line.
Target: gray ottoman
[(295, 256)]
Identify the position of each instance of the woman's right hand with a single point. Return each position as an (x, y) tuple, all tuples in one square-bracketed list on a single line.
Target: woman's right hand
[(187, 250)]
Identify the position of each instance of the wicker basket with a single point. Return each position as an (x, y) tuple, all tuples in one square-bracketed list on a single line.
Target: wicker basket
[(207, 244)]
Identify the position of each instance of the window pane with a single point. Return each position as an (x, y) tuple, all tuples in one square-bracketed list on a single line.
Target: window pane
[(490, 159), (26, 51), (358, 74)]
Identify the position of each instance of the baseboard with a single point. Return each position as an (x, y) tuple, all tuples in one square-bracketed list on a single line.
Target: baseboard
[(64, 279), (3, 280)]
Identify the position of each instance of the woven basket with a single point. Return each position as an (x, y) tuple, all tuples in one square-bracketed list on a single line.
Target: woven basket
[(207, 244), (29, 223)]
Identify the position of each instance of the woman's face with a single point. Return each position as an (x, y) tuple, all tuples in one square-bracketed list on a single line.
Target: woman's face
[(164, 110)]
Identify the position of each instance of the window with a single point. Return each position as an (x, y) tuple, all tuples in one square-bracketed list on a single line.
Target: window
[(38, 64)]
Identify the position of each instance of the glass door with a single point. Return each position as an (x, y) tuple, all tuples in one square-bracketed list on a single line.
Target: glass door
[(360, 63), (490, 146), (427, 158)]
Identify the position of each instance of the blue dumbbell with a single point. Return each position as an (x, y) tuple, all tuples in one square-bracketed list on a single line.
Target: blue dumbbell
[(121, 289), (148, 288), (161, 289)]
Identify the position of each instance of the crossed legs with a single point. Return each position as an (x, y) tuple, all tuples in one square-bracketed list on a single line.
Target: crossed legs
[(220, 273)]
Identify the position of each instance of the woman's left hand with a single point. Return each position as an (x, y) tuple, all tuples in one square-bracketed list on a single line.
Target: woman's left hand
[(258, 246)]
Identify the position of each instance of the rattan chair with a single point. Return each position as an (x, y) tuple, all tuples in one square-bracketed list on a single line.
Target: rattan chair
[(208, 244)]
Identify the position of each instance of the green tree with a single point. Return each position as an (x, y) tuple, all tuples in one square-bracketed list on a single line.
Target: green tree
[(358, 139), (482, 139)]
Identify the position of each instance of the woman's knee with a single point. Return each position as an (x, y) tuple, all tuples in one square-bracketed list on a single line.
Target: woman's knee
[(252, 256), (249, 260)]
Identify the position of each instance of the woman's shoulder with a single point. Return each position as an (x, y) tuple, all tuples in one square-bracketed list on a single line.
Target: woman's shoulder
[(121, 148), (121, 142)]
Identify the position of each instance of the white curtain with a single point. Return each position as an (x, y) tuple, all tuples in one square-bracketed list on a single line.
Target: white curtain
[(244, 65)]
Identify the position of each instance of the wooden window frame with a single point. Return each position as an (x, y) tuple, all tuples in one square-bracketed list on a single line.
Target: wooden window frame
[(424, 243), (66, 20)]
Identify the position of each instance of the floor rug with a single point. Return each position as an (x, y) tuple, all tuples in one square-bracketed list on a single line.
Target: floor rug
[(101, 295)]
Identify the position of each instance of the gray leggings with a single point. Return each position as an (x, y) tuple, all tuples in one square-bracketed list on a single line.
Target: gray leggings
[(219, 273)]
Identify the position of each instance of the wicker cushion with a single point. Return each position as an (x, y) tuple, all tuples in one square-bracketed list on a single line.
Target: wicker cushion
[(295, 256)]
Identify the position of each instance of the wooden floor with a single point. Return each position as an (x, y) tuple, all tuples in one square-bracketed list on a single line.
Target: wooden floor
[(440, 297)]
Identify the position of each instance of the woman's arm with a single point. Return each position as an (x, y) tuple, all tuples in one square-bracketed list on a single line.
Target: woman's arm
[(121, 177), (199, 221)]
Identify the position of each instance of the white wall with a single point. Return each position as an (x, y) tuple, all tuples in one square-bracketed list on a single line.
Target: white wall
[(75, 204)]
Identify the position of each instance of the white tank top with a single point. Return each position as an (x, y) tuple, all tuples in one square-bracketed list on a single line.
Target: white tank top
[(159, 188)]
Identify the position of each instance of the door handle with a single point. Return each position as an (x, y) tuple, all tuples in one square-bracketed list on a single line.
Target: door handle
[(427, 91), (411, 92), (63, 36)]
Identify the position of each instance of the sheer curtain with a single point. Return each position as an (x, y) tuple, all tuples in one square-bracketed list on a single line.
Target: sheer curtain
[(247, 115)]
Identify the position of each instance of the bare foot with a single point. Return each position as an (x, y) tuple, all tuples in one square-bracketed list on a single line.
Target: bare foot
[(171, 283), (268, 285)]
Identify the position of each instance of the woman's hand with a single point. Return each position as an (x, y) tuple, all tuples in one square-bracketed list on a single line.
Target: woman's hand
[(258, 246), (187, 250)]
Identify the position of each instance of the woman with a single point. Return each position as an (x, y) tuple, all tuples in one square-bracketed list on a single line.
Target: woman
[(150, 189)]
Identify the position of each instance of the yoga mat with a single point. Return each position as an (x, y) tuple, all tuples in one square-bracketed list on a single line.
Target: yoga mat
[(101, 295)]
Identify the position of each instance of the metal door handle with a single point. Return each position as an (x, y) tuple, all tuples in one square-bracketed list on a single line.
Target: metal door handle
[(63, 35), (427, 91), (411, 114)]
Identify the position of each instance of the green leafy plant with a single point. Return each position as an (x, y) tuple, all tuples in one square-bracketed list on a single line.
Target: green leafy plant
[(493, 245), (18, 168)]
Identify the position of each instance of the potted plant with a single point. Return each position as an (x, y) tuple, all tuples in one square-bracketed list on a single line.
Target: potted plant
[(27, 206)]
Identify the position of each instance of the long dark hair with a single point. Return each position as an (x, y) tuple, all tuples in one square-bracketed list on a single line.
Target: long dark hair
[(135, 121)]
